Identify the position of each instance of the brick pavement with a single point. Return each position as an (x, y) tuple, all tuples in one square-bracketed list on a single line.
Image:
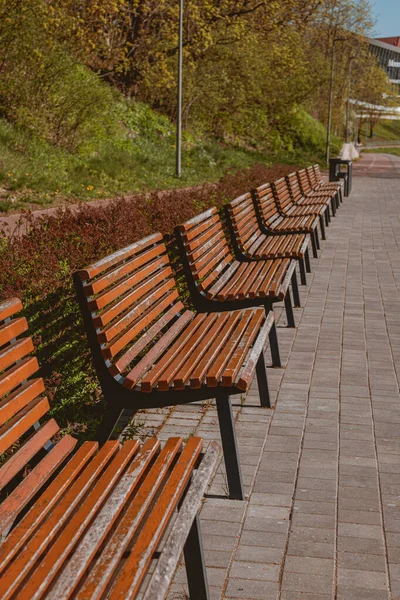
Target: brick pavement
[(321, 470)]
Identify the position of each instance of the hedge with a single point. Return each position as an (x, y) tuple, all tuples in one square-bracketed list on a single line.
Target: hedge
[(37, 266)]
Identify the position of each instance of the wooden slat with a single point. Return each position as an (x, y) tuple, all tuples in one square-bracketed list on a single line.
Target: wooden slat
[(165, 568), (12, 329), (48, 566), (134, 569), (14, 402), (199, 351), (134, 294), (21, 458), (15, 351), (218, 344), (214, 373), (116, 278), (247, 373), (15, 573), (11, 431), (17, 374), (159, 347), (127, 283), (119, 256), (20, 496), (102, 571), (45, 503), (238, 356), (152, 376), (9, 307), (185, 355), (137, 327), (130, 354)]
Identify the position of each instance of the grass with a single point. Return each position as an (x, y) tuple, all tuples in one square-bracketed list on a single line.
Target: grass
[(394, 151), (36, 174), (386, 130)]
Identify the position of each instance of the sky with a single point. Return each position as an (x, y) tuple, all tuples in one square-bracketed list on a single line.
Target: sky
[(387, 13)]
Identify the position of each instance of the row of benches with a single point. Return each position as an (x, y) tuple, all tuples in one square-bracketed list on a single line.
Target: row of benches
[(87, 524)]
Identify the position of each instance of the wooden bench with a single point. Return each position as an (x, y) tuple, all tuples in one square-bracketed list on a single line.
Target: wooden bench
[(89, 522), (313, 195), (274, 221), (150, 352), (217, 281), (289, 208), (317, 182), (310, 198), (253, 241)]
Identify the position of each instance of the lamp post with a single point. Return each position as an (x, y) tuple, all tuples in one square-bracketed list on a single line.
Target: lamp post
[(348, 100), (179, 110), (328, 132)]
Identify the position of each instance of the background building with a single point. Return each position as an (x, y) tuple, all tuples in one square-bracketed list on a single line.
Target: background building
[(387, 51)]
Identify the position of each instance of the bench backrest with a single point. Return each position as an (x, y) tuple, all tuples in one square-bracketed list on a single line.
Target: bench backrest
[(312, 177), (206, 248), (281, 190), (265, 203), (317, 173), (294, 187), (304, 182), (22, 404), (131, 296), (243, 221)]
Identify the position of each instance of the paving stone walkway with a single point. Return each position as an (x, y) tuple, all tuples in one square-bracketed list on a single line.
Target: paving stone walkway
[(321, 519)]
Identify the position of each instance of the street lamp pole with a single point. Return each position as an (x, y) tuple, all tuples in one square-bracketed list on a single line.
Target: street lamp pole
[(179, 111), (328, 132), (348, 100)]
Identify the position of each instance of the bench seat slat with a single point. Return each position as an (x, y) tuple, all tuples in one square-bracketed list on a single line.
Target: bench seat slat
[(9, 307), (45, 503), (236, 361), (14, 575), (133, 571), (185, 355), (218, 344), (246, 373), (167, 564), (214, 374), (152, 376), (181, 377), (159, 347), (101, 573), (47, 567), (130, 354)]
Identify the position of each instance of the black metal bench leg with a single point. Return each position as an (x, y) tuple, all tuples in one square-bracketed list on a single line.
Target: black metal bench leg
[(110, 419), (307, 261), (333, 205), (314, 243), (327, 217), (229, 446), (295, 289), (289, 309), (322, 225), (303, 276), (274, 345), (262, 382), (195, 564), (317, 236)]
